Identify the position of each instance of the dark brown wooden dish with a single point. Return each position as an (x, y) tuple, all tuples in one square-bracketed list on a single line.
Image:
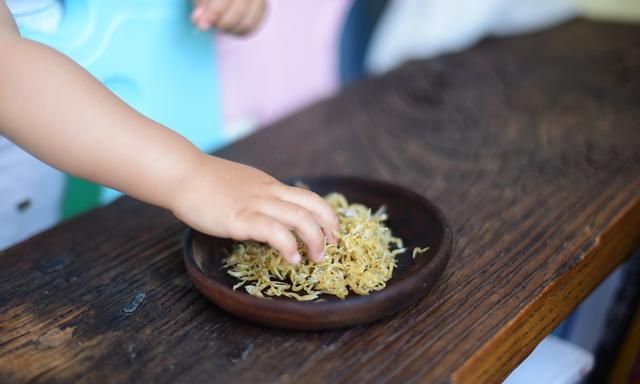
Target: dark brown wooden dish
[(412, 217)]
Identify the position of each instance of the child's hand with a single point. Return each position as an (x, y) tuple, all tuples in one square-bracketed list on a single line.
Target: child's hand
[(239, 17), (227, 199), (144, 159)]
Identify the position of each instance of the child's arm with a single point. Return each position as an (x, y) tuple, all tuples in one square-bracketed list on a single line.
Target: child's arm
[(54, 109), (232, 16)]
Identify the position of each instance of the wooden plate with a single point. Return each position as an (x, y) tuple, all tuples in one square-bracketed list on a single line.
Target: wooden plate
[(412, 217)]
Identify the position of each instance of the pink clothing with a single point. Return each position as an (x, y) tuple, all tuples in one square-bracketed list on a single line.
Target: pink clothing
[(291, 61)]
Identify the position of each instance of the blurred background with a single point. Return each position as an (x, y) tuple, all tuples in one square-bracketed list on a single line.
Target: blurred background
[(215, 89)]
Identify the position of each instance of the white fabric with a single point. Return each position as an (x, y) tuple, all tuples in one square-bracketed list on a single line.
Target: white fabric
[(40, 15), (426, 28), (30, 191), (27, 181), (20, 7)]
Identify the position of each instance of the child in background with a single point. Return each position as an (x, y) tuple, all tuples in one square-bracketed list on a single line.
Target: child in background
[(143, 158), (293, 61), (231, 16)]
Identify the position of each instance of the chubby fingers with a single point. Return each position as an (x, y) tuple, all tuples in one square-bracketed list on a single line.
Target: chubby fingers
[(300, 220), (266, 229), (199, 16), (207, 13), (251, 17), (231, 20), (314, 204)]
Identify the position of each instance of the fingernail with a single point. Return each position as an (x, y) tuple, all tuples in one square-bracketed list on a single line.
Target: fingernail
[(197, 13), (320, 257), (295, 259)]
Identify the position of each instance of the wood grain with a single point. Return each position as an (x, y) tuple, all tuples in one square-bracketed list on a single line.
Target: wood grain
[(531, 147)]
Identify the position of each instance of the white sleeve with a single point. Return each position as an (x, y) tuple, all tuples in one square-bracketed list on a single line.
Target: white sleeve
[(419, 29), (38, 15), (31, 194)]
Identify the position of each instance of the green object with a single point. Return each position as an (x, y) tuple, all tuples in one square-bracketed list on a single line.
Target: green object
[(79, 196)]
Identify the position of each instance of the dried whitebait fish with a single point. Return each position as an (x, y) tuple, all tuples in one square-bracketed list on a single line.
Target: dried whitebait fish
[(361, 262)]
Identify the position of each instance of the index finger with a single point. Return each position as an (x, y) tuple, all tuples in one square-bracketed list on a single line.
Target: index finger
[(317, 206)]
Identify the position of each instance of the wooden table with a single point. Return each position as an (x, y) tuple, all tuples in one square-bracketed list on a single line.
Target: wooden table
[(530, 145)]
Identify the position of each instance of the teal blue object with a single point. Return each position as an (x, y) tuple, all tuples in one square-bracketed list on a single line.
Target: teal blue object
[(149, 54)]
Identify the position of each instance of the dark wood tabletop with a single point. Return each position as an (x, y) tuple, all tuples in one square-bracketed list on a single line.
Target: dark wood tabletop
[(531, 147)]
